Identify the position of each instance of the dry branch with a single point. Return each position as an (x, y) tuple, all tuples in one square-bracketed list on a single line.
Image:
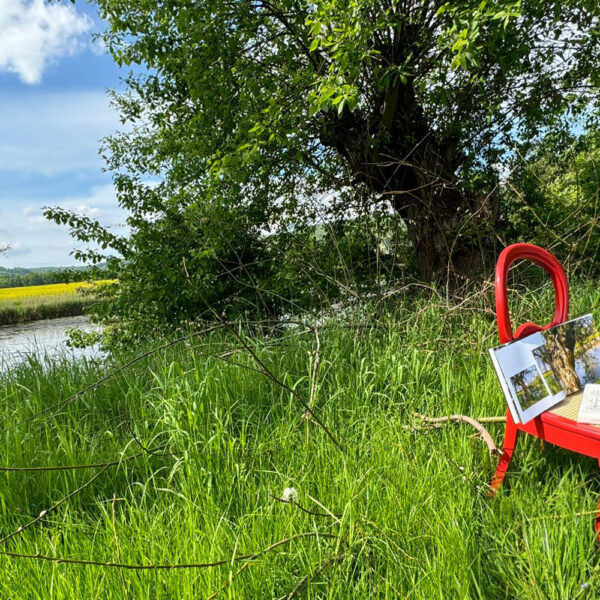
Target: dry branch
[(485, 435), (150, 567), (305, 510), (45, 513), (308, 578), (262, 367)]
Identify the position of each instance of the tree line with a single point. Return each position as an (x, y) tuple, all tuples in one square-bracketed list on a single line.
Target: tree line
[(18, 277)]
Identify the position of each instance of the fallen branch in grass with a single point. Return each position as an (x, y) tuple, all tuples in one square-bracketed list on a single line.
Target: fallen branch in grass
[(44, 513), (263, 367), (112, 463), (389, 539), (229, 580), (459, 417), (477, 424), (127, 365), (169, 567), (112, 374)]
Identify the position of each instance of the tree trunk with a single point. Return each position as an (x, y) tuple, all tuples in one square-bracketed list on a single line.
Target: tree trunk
[(442, 253), (561, 347), (520, 381), (401, 159)]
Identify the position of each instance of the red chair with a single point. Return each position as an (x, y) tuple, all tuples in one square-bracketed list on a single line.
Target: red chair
[(557, 426)]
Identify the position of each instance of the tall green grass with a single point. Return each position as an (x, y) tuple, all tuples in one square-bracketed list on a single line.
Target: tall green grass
[(399, 512)]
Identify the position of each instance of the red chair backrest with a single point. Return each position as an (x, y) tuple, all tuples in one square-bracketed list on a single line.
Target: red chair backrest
[(544, 259)]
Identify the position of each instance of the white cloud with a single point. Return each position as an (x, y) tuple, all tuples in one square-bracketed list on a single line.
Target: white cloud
[(54, 133), (35, 241), (33, 34)]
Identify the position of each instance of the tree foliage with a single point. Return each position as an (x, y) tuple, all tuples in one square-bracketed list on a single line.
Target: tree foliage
[(255, 117), (553, 199)]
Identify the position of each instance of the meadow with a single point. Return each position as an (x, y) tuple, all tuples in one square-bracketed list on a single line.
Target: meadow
[(159, 473), (32, 303)]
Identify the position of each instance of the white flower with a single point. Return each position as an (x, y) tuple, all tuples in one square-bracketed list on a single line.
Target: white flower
[(289, 495)]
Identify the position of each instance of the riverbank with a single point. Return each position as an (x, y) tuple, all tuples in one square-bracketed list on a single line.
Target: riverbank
[(38, 302)]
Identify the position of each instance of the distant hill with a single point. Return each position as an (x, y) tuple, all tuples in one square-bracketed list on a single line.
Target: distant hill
[(23, 271)]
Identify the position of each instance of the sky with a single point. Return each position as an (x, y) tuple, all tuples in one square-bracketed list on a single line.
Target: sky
[(54, 110)]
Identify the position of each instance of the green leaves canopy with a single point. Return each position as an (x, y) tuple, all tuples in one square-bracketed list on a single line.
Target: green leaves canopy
[(241, 94), (271, 114)]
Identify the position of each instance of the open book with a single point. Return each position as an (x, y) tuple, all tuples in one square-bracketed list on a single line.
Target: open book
[(540, 370)]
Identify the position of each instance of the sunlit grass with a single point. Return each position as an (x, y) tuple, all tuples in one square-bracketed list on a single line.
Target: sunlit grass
[(407, 509)]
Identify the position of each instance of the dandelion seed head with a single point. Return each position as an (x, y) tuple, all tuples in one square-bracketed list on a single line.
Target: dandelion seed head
[(290, 495)]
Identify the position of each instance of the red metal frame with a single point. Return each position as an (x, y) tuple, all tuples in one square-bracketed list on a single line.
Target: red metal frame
[(578, 437)]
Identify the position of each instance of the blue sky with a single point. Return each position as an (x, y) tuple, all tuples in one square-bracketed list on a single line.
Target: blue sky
[(54, 110)]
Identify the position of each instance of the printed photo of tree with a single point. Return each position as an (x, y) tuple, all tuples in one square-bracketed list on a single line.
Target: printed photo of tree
[(541, 357), (529, 387), (572, 354)]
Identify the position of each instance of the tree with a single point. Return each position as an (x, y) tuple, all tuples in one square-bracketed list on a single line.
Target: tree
[(522, 387), (256, 106), (411, 100)]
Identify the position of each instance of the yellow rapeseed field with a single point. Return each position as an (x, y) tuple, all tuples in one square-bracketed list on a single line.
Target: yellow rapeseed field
[(37, 291), (31, 303)]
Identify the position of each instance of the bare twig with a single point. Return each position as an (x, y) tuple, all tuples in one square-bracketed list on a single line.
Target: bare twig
[(45, 513), (265, 370), (112, 463), (168, 567), (306, 580), (389, 539), (118, 546), (306, 510), (316, 365), (226, 584), (487, 438), (99, 382), (499, 419)]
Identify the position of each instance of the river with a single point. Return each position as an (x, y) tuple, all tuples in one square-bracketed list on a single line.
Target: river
[(43, 339)]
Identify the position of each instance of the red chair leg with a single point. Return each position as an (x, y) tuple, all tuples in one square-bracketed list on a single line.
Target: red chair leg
[(597, 526), (508, 447)]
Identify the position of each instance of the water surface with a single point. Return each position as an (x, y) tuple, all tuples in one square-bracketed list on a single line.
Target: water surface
[(43, 339)]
